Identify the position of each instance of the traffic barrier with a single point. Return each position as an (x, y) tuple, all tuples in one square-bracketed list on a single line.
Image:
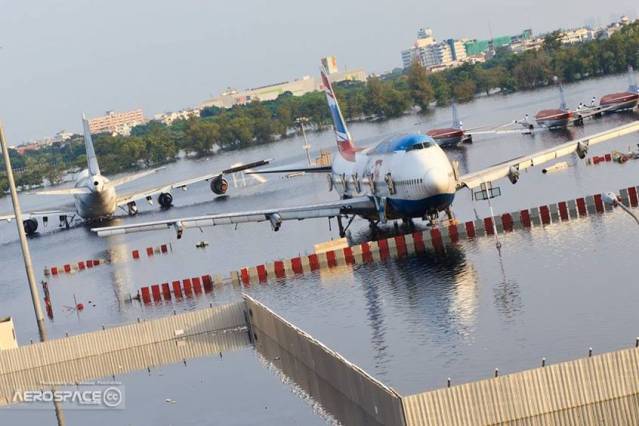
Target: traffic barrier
[(187, 287), (152, 251), (437, 238), (72, 268), (434, 239)]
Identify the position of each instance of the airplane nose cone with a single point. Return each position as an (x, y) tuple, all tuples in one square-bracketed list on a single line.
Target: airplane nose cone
[(439, 181)]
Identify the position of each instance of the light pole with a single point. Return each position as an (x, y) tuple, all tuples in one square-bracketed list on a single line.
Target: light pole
[(307, 147), (26, 255), (613, 200)]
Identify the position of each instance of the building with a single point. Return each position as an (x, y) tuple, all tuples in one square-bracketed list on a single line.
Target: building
[(330, 64), (168, 118), (119, 123), (7, 334), (37, 144), (578, 35), (270, 92), (432, 54), (457, 49)]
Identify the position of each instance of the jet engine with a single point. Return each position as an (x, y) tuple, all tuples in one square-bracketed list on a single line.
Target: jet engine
[(582, 149), (30, 226), (276, 221), (513, 174), (219, 185), (165, 199)]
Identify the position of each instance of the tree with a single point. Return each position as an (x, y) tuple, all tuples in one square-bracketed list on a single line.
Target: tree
[(421, 91), (552, 41), (200, 136), (464, 90)]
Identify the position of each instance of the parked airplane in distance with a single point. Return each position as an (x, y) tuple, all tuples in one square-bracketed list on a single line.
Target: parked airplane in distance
[(401, 177), (96, 197)]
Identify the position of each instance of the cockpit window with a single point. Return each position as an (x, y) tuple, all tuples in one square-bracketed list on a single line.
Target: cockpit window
[(420, 145)]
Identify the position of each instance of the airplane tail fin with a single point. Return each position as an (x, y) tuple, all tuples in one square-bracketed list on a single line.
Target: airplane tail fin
[(562, 97), (344, 142), (92, 160), (457, 124), (632, 80)]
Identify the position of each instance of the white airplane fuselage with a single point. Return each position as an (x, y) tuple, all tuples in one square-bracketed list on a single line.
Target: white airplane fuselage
[(100, 201), (420, 172)]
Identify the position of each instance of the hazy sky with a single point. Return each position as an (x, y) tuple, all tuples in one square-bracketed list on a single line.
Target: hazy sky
[(60, 58)]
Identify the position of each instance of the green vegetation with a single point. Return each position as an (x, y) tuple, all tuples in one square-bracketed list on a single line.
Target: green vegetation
[(380, 97)]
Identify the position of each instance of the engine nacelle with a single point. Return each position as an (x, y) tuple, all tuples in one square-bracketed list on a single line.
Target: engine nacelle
[(30, 226), (165, 199), (582, 149), (219, 185), (276, 221), (179, 229), (513, 174)]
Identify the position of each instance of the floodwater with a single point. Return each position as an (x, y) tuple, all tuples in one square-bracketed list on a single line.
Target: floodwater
[(412, 323)]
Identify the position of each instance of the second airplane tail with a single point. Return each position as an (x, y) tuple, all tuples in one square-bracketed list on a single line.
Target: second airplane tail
[(92, 160), (344, 142)]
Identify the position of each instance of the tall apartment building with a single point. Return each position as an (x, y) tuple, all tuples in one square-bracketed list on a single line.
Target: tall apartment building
[(430, 53), (117, 122)]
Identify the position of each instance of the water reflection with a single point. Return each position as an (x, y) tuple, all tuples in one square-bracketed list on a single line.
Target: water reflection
[(333, 406)]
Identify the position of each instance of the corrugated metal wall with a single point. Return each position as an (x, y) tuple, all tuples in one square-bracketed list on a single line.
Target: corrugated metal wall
[(376, 399), (122, 337), (532, 393), (121, 362)]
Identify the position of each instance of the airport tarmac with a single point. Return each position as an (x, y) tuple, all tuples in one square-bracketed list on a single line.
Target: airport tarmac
[(412, 323)]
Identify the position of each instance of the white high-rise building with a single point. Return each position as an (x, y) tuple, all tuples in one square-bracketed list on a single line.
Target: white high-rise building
[(431, 53)]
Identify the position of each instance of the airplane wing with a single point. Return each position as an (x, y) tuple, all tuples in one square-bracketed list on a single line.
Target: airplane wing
[(275, 216), (511, 168), (28, 215), (131, 178), (316, 169), (148, 192)]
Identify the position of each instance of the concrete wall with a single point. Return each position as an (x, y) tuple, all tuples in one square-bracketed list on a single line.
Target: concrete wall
[(378, 401), (529, 397)]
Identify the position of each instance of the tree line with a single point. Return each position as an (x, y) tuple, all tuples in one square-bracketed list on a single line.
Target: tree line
[(382, 97)]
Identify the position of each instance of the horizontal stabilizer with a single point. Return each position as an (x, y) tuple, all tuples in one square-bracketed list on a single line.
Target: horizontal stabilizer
[(67, 191), (320, 169)]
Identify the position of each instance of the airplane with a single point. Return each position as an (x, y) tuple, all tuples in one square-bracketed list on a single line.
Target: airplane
[(96, 197), (402, 177)]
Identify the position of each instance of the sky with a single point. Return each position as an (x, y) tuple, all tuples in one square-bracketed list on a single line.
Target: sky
[(59, 59)]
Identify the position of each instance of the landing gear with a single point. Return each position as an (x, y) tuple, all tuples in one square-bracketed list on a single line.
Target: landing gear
[(408, 223), (372, 225), (343, 229), (132, 208), (449, 213), (165, 200)]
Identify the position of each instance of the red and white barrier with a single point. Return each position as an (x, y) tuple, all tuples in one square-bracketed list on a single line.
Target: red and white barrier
[(72, 268), (178, 289), (152, 251), (432, 239)]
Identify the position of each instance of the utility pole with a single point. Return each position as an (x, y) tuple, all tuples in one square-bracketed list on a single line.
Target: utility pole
[(26, 255), (307, 147)]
